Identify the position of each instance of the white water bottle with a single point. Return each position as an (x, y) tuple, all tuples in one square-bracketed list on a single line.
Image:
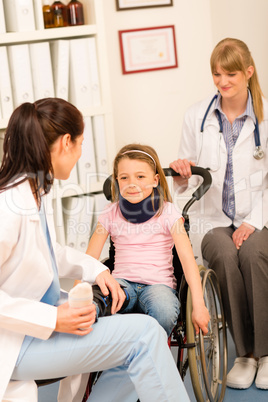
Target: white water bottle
[(81, 295)]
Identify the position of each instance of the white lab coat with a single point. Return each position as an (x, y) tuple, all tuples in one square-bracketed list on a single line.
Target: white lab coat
[(25, 275), (208, 150)]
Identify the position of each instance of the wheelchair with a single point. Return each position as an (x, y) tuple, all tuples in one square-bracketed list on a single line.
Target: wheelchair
[(206, 355)]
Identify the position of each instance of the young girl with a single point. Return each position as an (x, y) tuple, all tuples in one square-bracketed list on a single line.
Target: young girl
[(144, 226)]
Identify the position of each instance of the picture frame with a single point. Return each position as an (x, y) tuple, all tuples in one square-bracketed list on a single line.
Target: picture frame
[(136, 4), (148, 49)]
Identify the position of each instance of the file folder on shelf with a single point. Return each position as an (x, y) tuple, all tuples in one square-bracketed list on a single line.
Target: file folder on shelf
[(2, 18), (80, 83), (85, 223), (6, 100), (86, 165), (20, 72), (19, 15), (100, 146), (43, 85), (94, 73), (38, 14), (60, 66), (72, 208)]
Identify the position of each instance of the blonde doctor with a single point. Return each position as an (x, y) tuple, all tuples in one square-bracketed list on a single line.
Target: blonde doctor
[(41, 336), (228, 133)]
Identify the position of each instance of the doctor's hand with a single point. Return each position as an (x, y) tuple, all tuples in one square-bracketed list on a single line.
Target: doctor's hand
[(183, 167), (242, 233), (107, 283), (76, 321)]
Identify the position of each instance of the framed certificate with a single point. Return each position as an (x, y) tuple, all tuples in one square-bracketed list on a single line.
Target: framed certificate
[(148, 49), (134, 4)]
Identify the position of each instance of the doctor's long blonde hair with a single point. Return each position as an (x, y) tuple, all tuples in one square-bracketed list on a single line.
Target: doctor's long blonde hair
[(233, 55)]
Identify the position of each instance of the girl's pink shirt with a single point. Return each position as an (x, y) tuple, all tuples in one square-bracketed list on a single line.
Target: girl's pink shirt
[(143, 252)]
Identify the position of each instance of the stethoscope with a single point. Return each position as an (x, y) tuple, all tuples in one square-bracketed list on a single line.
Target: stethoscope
[(258, 151)]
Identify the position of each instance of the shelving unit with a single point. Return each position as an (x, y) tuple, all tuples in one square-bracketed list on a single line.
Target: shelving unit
[(94, 27)]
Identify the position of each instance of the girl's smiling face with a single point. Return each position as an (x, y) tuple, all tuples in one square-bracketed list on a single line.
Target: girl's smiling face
[(136, 179)]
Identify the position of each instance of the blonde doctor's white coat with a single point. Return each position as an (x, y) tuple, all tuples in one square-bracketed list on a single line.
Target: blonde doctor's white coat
[(25, 275), (208, 150)]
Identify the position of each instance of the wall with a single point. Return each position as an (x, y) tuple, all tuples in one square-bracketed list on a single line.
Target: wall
[(149, 107)]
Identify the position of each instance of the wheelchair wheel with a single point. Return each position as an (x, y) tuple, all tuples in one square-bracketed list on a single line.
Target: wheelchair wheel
[(208, 359)]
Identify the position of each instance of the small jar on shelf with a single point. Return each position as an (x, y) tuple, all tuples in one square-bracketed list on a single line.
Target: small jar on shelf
[(48, 15), (75, 13), (60, 14)]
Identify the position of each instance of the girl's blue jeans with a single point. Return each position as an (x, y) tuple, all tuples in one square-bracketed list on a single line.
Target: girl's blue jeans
[(158, 301)]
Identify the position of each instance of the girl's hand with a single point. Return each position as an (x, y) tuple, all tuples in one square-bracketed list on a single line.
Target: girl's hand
[(107, 283), (241, 234), (183, 167), (200, 318), (76, 321)]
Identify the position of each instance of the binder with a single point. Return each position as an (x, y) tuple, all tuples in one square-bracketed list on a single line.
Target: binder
[(100, 146), (86, 165), (41, 69), (6, 99), (20, 71), (19, 15), (80, 81), (59, 50), (72, 208), (2, 18), (94, 73), (85, 223), (38, 14)]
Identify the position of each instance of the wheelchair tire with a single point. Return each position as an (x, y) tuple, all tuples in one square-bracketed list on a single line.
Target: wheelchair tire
[(208, 359)]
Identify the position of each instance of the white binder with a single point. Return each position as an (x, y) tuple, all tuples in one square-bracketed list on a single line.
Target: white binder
[(2, 18), (38, 14), (6, 100), (41, 68), (60, 67), (80, 81), (19, 15), (20, 71), (86, 165), (94, 73), (85, 223), (100, 146), (72, 208)]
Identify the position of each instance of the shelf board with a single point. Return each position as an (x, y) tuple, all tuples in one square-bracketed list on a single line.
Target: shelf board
[(47, 34)]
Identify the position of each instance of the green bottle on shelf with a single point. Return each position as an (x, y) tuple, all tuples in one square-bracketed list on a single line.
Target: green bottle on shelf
[(75, 13)]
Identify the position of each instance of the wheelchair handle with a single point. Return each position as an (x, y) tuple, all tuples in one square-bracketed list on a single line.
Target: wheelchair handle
[(198, 171)]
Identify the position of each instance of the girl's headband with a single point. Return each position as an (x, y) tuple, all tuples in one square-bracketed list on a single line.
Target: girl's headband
[(142, 152)]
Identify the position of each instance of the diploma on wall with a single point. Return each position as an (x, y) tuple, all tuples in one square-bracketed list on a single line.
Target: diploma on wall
[(20, 72), (6, 100), (43, 85)]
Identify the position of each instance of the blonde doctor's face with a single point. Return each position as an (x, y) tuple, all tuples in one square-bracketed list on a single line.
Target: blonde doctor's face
[(231, 84), (136, 179), (65, 154)]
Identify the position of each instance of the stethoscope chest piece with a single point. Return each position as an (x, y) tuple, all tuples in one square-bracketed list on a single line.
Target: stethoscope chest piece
[(258, 153)]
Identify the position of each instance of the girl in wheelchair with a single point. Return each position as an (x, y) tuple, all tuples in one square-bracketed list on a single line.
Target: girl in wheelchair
[(144, 225)]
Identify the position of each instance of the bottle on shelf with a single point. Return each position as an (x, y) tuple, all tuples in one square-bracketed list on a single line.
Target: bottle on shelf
[(60, 14), (75, 13), (48, 15)]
